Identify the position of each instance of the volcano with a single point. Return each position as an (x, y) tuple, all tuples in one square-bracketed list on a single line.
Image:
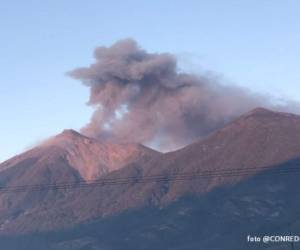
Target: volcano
[(237, 180)]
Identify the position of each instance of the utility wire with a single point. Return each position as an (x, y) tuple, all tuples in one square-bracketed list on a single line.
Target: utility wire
[(188, 176)]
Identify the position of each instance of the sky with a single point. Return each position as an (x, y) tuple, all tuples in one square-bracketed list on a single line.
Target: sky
[(250, 43)]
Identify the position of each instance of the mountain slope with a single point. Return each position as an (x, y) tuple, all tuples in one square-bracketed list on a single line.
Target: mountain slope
[(89, 157), (219, 220), (66, 158), (255, 141), (258, 139)]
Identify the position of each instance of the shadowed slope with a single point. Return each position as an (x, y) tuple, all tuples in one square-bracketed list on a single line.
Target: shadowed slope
[(258, 139)]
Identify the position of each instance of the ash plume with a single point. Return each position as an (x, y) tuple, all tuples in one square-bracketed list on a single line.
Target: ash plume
[(142, 97)]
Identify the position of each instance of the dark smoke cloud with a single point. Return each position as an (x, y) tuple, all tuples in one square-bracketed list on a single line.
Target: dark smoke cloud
[(142, 97)]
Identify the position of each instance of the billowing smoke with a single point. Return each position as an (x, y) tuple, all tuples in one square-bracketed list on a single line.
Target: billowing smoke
[(142, 97)]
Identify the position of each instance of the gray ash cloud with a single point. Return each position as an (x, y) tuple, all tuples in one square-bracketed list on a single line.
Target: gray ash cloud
[(143, 97)]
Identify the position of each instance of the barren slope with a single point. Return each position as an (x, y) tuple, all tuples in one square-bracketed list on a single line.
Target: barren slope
[(256, 140)]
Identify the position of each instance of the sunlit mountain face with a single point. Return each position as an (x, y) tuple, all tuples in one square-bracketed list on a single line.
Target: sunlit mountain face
[(76, 192)]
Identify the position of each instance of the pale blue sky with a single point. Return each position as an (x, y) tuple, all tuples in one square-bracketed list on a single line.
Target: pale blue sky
[(253, 43)]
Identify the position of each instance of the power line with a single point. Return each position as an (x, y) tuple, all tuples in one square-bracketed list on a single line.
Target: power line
[(150, 178)]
